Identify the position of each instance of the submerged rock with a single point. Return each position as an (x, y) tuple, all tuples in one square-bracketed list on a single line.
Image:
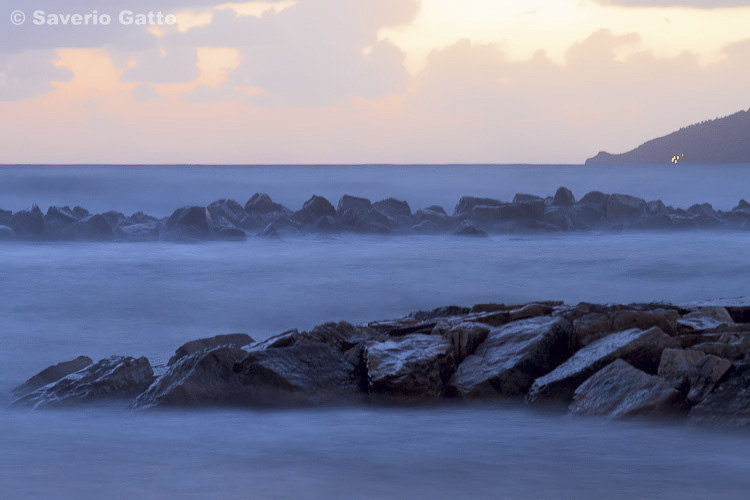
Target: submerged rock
[(640, 348), (620, 390), (512, 356), (52, 374), (112, 379)]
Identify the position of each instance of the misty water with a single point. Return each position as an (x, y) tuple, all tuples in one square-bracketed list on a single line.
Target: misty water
[(60, 300)]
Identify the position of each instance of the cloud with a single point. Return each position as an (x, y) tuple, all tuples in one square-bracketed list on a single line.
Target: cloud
[(29, 74), (146, 92), (698, 4)]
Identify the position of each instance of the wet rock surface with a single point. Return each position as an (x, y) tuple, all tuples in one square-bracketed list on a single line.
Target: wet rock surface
[(260, 216), (667, 361)]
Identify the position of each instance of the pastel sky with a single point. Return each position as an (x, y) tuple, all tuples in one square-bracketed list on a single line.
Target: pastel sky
[(366, 81)]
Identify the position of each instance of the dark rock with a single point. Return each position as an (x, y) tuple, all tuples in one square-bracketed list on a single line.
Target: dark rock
[(28, 224), (640, 348), (621, 391), (742, 205), (232, 339), (262, 204), (413, 365), (58, 223), (692, 372), (467, 228), (202, 378), (465, 338), (52, 374), (229, 213), (80, 212), (513, 356), (93, 228), (189, 223), (325, 224), (564, 197), (622, 208), (466, 204), (139, 227), (656, 208), (6, 233), (433, 215), (313, 209), (392, 207), (5, 217), (596, 199), (113, 379), (301, 374), (440, 312), (740, 314), (560, 217), (729, 403), (357, 205)]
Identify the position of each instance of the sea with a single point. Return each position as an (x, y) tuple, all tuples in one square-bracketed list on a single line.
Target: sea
[(64, 299)]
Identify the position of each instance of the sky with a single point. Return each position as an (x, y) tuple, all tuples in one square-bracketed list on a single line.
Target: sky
[(361, 81)]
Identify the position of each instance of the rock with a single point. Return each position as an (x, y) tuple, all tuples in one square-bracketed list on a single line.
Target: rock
[(112, 379), (512, 356), (622, 208), (300, 374), (201, 378), (52, 374), (594, 326), (425, 227), (313, 209), (740, 314), (229, 213), (93, 228), (729, 403), (640, 348), (596, 199), (357, 205), (80, 212), (531, 311), (262, 204), (58, 223), (325, 224), (392, 207), (5, 217), (6, 233), (466, 204), (742, 205), (269, 232), (413, 365), (620, 391), (139, 227), (692, 372), (564, 197), (465, 338), (467, 228), (114, 219), (189, 223), (188, 348), (28, 224), (434, 215), (656, 208), (527, 198), (706, 318), (440, 312), (731, 346)]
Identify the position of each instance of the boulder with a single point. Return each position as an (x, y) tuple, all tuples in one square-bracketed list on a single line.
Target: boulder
[(80, 212), (640, 348), (139, 227), (693, 372), (7, 233), (560, 217), (564, 197), (313, 209), (729, 403), (440, 312), (624, 209), (392, 207), (112, 379), (425, 227), (58, 223), (468, 228), (93, 228), (620, 390), (512, 356), (113, 218), (595, 325), (742, 205), (527, 198), (300, 374), (5, 217), (596, 199), (325, 224), (465, 338), (413, 365), (465, 206), (706, 318), (28, 224), (740, 314), (188, 348), (357, 205), (188, 223), (229, 213), (52, 374), (262, 204), (204, 377)]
